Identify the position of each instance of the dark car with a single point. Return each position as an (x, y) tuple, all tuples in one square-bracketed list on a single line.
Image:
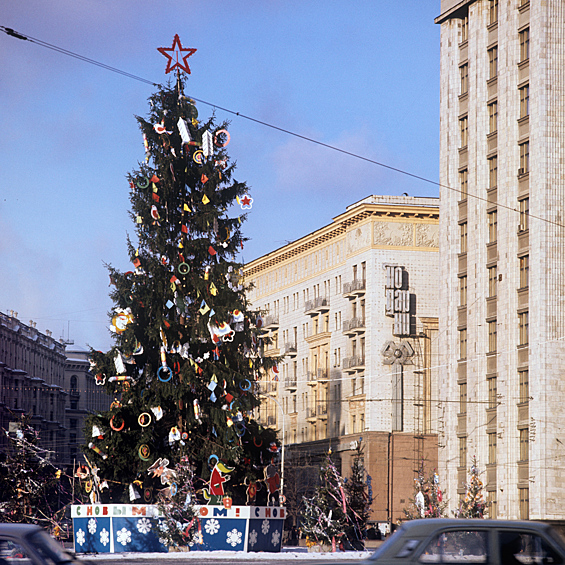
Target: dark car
[(26, 544), (492, 542)]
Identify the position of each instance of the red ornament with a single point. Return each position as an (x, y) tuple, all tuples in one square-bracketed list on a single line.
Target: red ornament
[(175, 57)]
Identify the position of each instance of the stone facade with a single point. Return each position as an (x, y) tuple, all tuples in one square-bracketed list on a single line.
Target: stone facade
[(502, 252), (38, 380), (333, 302)]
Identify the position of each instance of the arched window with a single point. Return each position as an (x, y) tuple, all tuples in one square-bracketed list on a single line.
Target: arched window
[(74, 383)]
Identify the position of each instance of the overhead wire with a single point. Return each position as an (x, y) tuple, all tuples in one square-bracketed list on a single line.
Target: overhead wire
[(13, 33)]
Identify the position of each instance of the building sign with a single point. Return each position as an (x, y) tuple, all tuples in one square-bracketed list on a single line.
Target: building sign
[(397, 299)]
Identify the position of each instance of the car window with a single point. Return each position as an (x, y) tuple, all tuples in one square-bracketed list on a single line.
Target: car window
[(521, 548), (12, 553), (457, 546)]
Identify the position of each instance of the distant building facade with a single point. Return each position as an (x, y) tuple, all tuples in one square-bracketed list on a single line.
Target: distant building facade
[(37, 380), (502, 312), (353, 308)]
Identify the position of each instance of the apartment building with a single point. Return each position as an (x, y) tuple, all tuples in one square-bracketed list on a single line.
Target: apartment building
[(39, 379), (502, 252), (353, 307)]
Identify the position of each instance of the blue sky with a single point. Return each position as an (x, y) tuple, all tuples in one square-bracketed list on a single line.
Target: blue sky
[(360, 75)]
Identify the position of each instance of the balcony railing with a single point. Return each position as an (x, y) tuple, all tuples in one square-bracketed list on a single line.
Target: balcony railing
[(311, 412), (289, 349), (356, 286), (272, 321), (290, 383), (319, 304), (353, 325), (353, 361)]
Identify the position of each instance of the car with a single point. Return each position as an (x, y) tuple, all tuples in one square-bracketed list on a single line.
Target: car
[(28, 544), (470, 542)]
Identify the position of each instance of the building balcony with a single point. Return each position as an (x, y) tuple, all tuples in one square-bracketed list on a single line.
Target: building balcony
[(312, 379), (272, 322), (323, 375), (289, 349), (311, 413), (290, 383), (317, 306), (354, 363), (353, 326), (354, 288), (271, 420)]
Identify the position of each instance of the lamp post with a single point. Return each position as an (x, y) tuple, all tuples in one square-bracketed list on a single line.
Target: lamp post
[(283, 438)]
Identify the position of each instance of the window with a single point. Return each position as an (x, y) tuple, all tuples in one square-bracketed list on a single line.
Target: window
[(464, 130), (524, 377), (524, 157), (492, 117), (492, 393), (492, 449), (492, 279), (524, 494), (463, 183), (524, 271), (491, 504), (464, 28), (462, 398), (493, 62), (524, 444), (463, 291), (525, 101), (463, 452), (463, 238), (492, 226), (524, 36), (492, 336), (464, 74), (459, 546), (524, 214), (492, 11), (492, 172), (463, 344), (523, 325)]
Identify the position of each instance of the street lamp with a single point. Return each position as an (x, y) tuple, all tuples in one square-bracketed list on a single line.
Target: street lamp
[(283, 440)]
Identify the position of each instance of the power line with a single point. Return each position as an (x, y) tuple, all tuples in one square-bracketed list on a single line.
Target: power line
[(12, 33)]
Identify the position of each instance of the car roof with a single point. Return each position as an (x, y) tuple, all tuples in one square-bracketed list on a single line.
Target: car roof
[(13, 529), (425, 526)]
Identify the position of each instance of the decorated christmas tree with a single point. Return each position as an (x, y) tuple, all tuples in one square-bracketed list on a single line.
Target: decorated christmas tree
[(427, 501), (358, 499), (325, 520), (187, 347), (473, 504), (32, 489)]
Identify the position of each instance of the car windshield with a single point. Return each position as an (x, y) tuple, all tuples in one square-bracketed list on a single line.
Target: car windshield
[(49, 549), (384, 547)]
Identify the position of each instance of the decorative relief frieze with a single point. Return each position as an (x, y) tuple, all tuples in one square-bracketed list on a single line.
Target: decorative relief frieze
[(427, 235), (393, 233)]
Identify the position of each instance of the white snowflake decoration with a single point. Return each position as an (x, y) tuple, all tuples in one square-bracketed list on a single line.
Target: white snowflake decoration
[(265, 526), (212, 526), (253, 538), (92, 526), (123, 536), (81, 536), (104, 537), (143, 525), (276, 538), (234, 537)]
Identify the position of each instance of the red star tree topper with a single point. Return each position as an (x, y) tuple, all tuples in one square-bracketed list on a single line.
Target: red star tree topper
[(175, 57)]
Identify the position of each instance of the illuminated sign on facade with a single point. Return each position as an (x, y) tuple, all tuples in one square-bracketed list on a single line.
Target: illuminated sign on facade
[(397, 299)]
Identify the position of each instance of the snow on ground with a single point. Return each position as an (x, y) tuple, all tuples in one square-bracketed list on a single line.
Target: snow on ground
[(228, 555)]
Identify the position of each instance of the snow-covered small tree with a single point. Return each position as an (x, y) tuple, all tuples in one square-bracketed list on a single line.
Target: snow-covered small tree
[(325, 518), (428, 497), (358, 499), (473, 504)]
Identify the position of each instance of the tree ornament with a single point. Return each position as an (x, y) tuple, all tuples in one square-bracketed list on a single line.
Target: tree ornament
[(175, 57)]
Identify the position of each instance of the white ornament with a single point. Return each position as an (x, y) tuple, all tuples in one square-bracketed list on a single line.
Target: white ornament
[(276, 537), (234, 538), (207, 144), (104, 537), (81, 536), (212, 526), (253, 538), (183, 130), (143, 526), (123, 536), (92, 526), (265, 526)]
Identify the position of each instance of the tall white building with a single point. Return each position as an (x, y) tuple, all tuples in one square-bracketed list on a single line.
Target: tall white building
[(353, 309), (502, 315)]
